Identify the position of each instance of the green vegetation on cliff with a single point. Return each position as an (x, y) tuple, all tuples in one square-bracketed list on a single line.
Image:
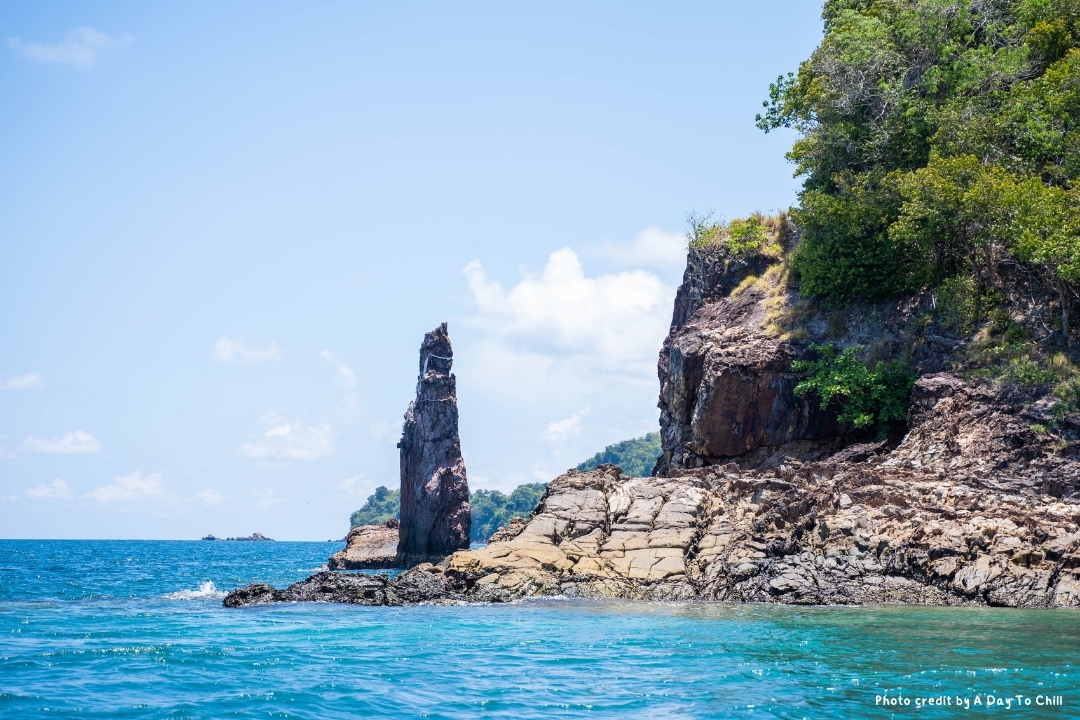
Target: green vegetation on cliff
[(938, 137), (875, 396), (636, 457)]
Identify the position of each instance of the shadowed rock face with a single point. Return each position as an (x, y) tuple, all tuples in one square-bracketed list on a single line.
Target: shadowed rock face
[(435, 514), (726, 387)]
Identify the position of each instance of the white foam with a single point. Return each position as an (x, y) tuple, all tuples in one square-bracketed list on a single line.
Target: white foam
[(207, 590)]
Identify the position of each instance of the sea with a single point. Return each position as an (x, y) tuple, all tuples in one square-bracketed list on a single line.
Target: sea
[(136, 629)]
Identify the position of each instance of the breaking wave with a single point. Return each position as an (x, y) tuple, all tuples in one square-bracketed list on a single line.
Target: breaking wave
[(207, 590)]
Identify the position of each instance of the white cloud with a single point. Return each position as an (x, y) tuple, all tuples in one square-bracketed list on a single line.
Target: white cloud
[(29, 381), (560, 430), (80, 48), (616, 321), (209, 497), (129, 488), (383, 429), (651, 247), (284, 440), (266, 498), (78, 441), (353, 485), (345, 375), (558, 340), (55, 490), (236, 350)]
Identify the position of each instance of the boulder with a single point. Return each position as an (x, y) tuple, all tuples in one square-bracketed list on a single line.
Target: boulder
[(368, 547)]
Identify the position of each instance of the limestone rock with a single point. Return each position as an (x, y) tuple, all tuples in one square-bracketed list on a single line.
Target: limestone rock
[(435, 514), (368, 547)]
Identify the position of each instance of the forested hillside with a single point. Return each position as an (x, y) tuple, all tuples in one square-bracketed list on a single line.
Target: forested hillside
[(940, 142), (636, 457)]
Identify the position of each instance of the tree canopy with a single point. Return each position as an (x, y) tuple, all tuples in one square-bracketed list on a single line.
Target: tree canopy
[(636, 457), (935, 136)]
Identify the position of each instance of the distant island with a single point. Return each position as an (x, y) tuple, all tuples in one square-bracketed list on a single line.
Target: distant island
[(253, 537), (492, 509)]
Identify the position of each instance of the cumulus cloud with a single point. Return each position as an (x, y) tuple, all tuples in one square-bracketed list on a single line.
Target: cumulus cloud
[(616, 320), (55, 490), (29, 381), (209, 497), (651, 247), (236, 350), (345, 375), (564, 338), (383, 429), (129, 488), (77, 441), (560, 430), (266, 498), (284, 440), (80, 48), (352, 485)]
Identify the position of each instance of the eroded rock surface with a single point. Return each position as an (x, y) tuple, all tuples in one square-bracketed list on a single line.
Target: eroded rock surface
[(805, 533), (368, 547), (435, 514), (726, 385)]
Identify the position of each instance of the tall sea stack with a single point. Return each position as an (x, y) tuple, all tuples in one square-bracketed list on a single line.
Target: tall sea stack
[(435, 514)]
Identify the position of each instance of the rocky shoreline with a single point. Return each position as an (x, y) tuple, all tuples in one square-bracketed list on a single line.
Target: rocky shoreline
[(764, 496), (814, 533)]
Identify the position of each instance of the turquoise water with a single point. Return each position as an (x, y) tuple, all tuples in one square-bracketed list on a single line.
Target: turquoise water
[(136, 629)]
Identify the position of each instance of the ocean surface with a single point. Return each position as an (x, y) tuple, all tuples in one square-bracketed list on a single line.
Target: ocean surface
[(133, 629)]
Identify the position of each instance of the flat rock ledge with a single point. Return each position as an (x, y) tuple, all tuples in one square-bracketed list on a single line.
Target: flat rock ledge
[(368, 547), (813, 533)]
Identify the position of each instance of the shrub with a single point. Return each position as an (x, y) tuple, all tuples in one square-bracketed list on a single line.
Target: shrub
[(703, 230), (956, 305), (745, 236), (877, 397)]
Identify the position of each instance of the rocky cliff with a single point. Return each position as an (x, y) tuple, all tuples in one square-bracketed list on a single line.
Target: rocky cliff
[(764, 496), (435, 513)]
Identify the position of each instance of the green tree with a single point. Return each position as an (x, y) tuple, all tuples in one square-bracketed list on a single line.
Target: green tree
[(492, 509), (380, 507), (935, 135), (867, 396)]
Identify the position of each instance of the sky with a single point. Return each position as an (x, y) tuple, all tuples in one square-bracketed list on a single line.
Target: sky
[(226, 227)]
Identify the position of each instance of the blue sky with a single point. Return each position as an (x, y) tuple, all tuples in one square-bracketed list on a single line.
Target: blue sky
[(225, 227)]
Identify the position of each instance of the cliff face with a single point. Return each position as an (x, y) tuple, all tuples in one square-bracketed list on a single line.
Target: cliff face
[(726, 384), (763, 497), (435, 514)]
